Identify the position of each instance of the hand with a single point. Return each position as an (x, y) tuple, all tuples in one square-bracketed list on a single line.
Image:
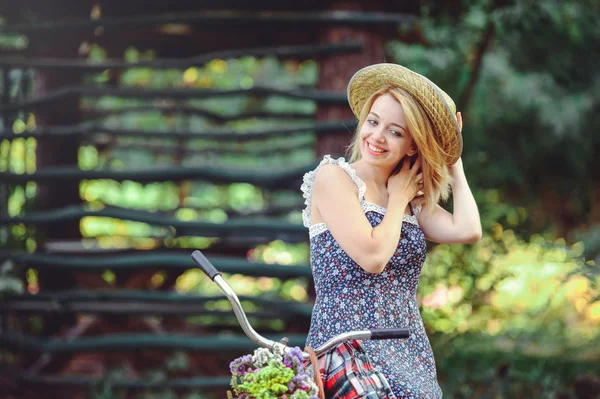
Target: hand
[(458, 165), (408, 181)]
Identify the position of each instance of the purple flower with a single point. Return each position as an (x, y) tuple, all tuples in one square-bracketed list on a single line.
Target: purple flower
[(295, 353), (239, 365), (293, 359), (302, 377)]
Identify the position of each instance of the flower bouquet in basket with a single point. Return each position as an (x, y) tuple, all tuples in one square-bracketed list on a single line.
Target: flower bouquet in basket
[(272, 374)]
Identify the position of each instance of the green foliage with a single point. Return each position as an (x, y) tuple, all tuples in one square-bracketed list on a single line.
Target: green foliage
[(535, 291), (276, 252), (469, 366), (194, 200), (505, 285), (531, 122), (541, 28), (10, 41), (509, 316), (8, 283), (591, 243)]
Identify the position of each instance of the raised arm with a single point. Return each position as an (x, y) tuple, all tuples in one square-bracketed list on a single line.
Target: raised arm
[(336, 201), (460, 226)]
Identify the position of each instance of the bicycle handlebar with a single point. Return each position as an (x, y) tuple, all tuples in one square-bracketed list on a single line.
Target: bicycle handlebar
[(212, 272), (206, 266)]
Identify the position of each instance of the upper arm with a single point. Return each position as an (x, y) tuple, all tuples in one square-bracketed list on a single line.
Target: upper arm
[(438, 226), (336, 198)]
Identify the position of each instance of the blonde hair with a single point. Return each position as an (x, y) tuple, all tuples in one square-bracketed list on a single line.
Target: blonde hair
[(436, 176)]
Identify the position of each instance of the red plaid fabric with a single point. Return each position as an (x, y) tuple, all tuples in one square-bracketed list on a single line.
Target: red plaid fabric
[(347, 373)]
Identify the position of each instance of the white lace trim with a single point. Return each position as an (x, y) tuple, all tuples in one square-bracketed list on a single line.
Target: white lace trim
[(308, 182), (317, 229), (367, 206)]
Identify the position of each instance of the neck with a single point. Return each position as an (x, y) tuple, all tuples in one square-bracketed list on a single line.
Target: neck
[(373, 176)]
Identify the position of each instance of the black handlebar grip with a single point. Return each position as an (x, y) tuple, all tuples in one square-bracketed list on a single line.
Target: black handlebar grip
[(207, 267), (390, 333)]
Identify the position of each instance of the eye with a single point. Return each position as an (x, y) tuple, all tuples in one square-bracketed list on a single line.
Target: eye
[(396, 133), (372, 122)]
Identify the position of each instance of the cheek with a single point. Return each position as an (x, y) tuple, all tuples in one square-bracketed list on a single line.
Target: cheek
[(363, 133), (402, 147)]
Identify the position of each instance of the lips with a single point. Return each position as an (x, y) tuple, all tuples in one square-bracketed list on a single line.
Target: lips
[(374, 149)]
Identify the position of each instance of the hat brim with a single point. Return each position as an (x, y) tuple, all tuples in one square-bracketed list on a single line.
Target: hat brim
[(438, 106)]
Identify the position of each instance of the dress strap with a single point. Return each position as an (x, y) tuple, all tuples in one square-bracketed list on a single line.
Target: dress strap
[(308, 182), (416, 210)]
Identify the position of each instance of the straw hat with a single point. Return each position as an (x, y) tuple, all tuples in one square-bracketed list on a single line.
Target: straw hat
[(437, 104)]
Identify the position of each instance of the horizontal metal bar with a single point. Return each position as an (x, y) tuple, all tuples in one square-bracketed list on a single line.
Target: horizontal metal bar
[(237, 227), (141, 295), (259, 178), (119, 342), (115, 308), (99, 113), (278, 51), (343, 125), (228, 149), (16, 376), (224, 19), (141, 260), (139, 302), (320, 96)]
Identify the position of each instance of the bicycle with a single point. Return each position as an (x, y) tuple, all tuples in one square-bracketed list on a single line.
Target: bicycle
[(328, 369)]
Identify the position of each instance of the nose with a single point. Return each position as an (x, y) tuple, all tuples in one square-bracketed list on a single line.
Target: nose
[(378, 134)]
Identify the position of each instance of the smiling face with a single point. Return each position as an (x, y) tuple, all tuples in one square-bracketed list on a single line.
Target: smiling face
[(392, 124), (384, 138)]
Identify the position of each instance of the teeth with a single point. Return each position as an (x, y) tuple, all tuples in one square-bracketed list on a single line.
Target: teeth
[(375, 149)]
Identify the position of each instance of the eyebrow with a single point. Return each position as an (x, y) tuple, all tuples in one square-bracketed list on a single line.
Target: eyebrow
[(394, 124)]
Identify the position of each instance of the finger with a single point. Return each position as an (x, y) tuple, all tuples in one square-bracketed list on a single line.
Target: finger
[(417, 165), (459, 120), (406, 163), (420, 183), (417, 161)]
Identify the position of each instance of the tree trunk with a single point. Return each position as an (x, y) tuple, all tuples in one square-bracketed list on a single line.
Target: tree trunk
[(335, 73), (56, 152)]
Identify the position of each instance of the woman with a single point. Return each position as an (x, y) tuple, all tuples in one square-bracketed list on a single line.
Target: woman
[(368, 219)]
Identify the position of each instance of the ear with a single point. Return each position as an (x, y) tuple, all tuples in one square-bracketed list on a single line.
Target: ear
[(412, 151)]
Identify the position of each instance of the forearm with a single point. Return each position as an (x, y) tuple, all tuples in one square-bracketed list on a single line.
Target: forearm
[(465, 213), (386, 235)]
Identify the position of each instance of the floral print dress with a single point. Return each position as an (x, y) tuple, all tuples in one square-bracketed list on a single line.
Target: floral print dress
[(348, 298)]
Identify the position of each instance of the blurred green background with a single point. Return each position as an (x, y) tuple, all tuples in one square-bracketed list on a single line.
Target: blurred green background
[(516, 314)]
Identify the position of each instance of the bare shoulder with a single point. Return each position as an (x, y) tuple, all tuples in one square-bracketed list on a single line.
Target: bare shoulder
[(332, 179)]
